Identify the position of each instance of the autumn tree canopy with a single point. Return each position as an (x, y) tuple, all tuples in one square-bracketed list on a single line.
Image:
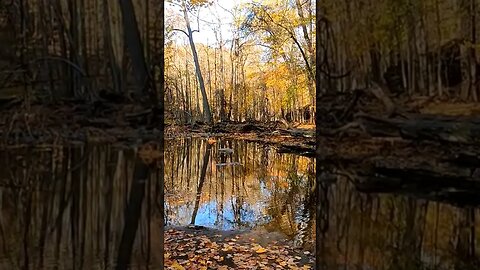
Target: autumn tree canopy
[(257, 67)]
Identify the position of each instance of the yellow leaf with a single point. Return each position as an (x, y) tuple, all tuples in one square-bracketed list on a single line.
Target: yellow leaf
[(227, 248), (177, 266), (260, 250)]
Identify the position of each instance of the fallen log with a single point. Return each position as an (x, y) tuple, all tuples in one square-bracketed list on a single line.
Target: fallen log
[(430, 185), (298, 132), (462, 198), (467, 160), (298, 149), (424, 127)]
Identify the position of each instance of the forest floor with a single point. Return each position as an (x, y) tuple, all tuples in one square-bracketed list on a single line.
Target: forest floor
[(204, 248), (298, 140), (128, 124)]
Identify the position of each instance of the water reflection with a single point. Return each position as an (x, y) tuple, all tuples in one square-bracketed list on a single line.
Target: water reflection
[(235, 185), (388, 231), (81, 208), (78, 208)]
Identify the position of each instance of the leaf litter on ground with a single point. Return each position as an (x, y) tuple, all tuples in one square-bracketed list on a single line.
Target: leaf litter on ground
[(204, 250)]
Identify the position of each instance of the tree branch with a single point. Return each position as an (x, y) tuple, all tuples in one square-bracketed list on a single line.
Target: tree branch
[(180, 30)]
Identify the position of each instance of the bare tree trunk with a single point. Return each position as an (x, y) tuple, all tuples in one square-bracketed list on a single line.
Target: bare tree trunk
[(467, 24), (428, 71), (206, 106), (471, 51), (114, 67), (439, 55), (413, 49), (83, 49), (311, 56), (73, 49), (134, 47), (222, 77), (209, 74), (232, 82)]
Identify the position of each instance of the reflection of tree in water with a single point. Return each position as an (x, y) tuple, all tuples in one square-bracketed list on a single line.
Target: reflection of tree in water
[(64, 208), (238, 196), (393, 232), (290, 206), (201, 181)]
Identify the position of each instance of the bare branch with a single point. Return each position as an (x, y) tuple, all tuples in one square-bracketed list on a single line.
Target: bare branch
[(180, 30)]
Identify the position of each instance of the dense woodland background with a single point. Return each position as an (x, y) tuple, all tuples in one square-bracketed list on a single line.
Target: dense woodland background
[(77, 49), (53, 50), (266, 72), (417, 47)]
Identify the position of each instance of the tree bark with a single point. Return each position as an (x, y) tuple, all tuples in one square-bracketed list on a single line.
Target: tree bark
[(311, 55), (114, 67), (134, 47), (206, 106)]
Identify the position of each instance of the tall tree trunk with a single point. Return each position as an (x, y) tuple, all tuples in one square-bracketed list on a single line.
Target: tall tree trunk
[(467, 28), (114, 67), (134, 47), (413, 50), (439, 55), (74, 46), (472, 59), (207, 113), (311, 56), (232, 81), (222, 77), (83, 49)]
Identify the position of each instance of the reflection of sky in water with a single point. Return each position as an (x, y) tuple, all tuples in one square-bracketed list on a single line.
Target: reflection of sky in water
[(209, 214), (249, 215), (251, 206)]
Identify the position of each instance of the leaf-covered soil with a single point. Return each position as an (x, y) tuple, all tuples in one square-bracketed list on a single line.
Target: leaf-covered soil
[(204, 248)]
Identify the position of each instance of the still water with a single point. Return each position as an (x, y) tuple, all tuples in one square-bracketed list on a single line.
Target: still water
[(66, 208), (234, 185), (73, 207)]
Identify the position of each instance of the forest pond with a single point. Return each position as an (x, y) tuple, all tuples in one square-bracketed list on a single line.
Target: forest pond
[(235, 185)]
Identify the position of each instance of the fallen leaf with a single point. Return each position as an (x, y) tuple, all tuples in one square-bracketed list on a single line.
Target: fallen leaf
[(177, 266), (260, 250)]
